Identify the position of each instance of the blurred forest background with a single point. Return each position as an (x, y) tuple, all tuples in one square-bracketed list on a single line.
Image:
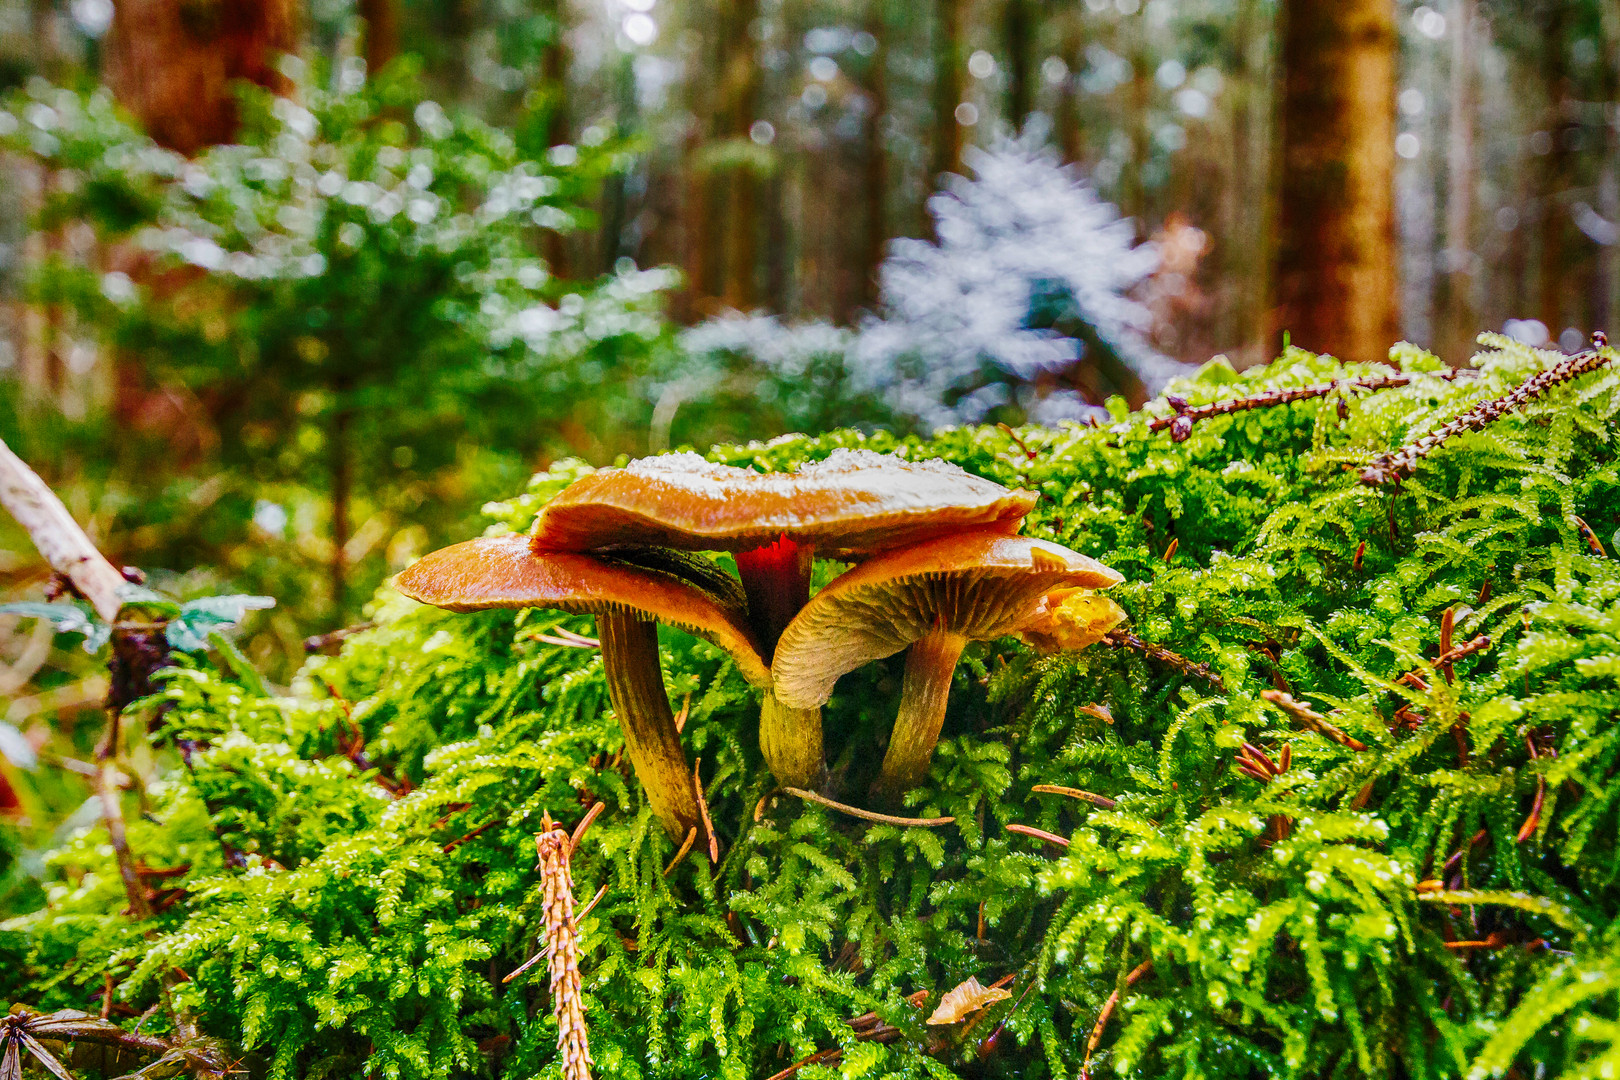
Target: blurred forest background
[(290, 288)]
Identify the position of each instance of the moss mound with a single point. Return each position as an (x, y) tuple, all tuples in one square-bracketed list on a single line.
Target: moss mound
[(1396, 877)]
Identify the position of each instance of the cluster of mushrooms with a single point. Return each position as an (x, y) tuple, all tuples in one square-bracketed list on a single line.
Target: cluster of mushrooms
[(937, 564)]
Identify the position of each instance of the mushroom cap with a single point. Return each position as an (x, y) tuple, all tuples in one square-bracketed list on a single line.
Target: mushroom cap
[(979, 585), (672, 587), (854, 503)]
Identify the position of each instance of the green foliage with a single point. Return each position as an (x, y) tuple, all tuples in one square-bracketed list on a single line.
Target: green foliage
[(186, 626), (1440, 903), (349, 298)]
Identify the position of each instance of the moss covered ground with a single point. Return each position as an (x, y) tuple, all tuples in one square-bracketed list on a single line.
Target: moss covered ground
[(1405, 877)]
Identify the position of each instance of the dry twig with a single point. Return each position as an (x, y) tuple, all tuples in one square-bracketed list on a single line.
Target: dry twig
[(1124, 639), (868, 815), (1108, 1011), (1396, 465), (58, 537), (1075, 793), (1181, 424), (1039, 834), (1312, 719)]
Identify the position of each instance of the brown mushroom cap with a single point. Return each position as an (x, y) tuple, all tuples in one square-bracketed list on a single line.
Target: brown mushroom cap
[(669, 586), (978, 586), (854, 503)]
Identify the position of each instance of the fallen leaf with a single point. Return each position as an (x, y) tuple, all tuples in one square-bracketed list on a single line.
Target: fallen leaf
[(970, 997)]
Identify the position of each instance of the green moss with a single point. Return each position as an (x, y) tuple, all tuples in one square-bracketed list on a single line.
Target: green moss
[(1285, 923)]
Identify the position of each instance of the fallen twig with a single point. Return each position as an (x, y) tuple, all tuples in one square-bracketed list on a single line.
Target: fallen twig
[(1107, 1012), (1593, 544), (1039, 834), (1396, 465), (1181, 424), (686, 846), (1312, 719), (58, 537), (1528, 829), (1075, 793), (703, 812), (1127, 640), (333, 639), (584, 825), (458, 841), (568, 639), (868, 815), (868, 1028)]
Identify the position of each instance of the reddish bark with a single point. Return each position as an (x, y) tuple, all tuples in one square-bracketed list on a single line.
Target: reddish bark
[(1336, 273), (172, 62)]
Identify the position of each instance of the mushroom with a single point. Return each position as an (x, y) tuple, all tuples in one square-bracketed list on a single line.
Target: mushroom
[(626, 592), (1071, 619), (853, 504), (934, 597)]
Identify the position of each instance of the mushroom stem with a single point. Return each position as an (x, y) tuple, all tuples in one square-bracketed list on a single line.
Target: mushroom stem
[(929, 667), (790, 739), (776, 578), (636, 687)]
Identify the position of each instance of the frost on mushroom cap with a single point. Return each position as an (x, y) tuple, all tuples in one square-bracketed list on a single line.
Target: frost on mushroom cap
[(689, 593), (853, 503), (979, 585)]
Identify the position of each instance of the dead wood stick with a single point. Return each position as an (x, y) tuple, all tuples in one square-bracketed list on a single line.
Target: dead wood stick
[(57, 536)]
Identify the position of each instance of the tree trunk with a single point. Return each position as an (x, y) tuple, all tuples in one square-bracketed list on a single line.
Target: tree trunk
[(877, 159), (1018, 31), (1556, 171), (1454, 302), (1247, 203), (172, 62), (739, 110), (947, 149), (1609, 185), (382, 32), (1335, 271), (1070, 136), (342, 477), (554, 63)]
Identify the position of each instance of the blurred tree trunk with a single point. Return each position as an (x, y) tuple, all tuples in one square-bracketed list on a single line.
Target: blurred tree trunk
[(1336, 271), (382, 32), (1556, 171), (171, 62), (877, 160), (554, 62), (740, 75), (1070, 137), (1132, 189), (1455, 339), (615, 204), (1609, 186), (1018, 31), (340, 463), (1247, 204), (947, 141)]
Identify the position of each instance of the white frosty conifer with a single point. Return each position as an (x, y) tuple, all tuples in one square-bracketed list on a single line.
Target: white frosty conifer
[(954, 339)]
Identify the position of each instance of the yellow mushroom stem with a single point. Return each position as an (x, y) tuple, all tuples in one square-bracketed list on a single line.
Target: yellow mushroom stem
[(790, 739), (636, 686), (930, 664)]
